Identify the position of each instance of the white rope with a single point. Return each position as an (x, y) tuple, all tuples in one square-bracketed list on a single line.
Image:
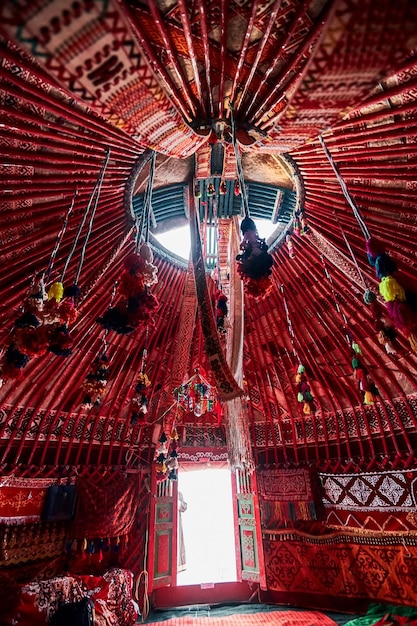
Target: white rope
[(345, 190), (96, 188)]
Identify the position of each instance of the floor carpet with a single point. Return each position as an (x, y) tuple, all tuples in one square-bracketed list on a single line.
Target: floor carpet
[(274, 618), (243, 615)]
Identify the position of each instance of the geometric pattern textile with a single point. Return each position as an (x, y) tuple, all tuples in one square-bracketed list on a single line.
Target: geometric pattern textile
[(376, 500), (285, 485), (105, 509), (273, 618), (91, 50), (351, 564), (226, 385), (285, 496)]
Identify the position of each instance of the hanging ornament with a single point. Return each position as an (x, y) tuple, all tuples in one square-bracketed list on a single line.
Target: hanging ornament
[(137, 305), (197, 190), (366, 386), (236, 188), (210, 189), (197, 396), (95, 382), (304, 395), (222, 188), (221, 312), (140, 399), (254, 263), (291, 251), (400, 304)]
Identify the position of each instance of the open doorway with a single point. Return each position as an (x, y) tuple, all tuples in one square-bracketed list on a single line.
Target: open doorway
[(207, 527)]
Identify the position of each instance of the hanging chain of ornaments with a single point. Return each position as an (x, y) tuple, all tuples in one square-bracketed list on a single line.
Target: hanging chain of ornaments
[(137, 305), (140, 399), (42, 322), (254, 263), (95, 382), (166, 456), (365, 383), (300, 228), (401, 302), (304, 395), (44, 318)]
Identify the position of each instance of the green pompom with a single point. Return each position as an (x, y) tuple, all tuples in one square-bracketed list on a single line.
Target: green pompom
[(355, 363), (308, 397), (356, 348), (301, 369), (300, 397)]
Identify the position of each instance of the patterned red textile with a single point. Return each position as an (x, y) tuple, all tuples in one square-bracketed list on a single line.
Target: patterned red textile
[(22, 499), (227, 387), (351, 564), (273, 618), (373, 500), (286, 495), (105, 509), (111, 593)]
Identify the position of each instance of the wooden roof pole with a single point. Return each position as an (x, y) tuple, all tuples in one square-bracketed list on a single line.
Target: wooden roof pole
[(169, 48), (267, 104), (202, 10), (281, 50), (243, 50), (189, 39), (271, 21)]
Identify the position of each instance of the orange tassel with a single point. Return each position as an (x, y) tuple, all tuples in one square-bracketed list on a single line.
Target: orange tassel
[(412, 339)]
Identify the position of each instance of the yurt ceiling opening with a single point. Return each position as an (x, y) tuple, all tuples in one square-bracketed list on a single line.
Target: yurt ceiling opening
[(124, 119)]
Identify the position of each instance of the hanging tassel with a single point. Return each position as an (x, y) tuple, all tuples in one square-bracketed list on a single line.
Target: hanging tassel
[(391, 290), (412, 339), (56, 291), (369, 398)]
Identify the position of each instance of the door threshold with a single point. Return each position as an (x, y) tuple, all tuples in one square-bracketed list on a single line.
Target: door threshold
[(203, 594)]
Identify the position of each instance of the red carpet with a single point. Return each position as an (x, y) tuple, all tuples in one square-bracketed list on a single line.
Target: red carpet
[(273, 618)]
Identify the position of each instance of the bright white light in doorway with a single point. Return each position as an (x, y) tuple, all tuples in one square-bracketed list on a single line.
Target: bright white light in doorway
[(208, 527), (178, 240)]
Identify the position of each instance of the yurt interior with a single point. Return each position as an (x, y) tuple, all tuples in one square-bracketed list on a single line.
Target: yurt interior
[(208, 301)]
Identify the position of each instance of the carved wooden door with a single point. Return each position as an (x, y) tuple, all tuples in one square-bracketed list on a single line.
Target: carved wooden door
[(248, 534), (163, 533)]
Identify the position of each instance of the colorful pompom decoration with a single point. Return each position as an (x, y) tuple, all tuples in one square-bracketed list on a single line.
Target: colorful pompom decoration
[(221, 312), (95, 383), (400, 303), (365, 384), (304, 395), (254, 263), (137, 305), (140, 399)]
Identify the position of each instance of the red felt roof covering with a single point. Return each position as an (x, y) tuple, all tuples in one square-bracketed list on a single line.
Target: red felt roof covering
[(75, 81)]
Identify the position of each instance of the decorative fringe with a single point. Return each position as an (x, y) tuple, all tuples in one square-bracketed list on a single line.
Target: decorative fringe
[(239, 448)]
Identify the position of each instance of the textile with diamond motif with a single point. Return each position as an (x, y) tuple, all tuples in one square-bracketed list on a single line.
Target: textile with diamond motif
[(377, 500)]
